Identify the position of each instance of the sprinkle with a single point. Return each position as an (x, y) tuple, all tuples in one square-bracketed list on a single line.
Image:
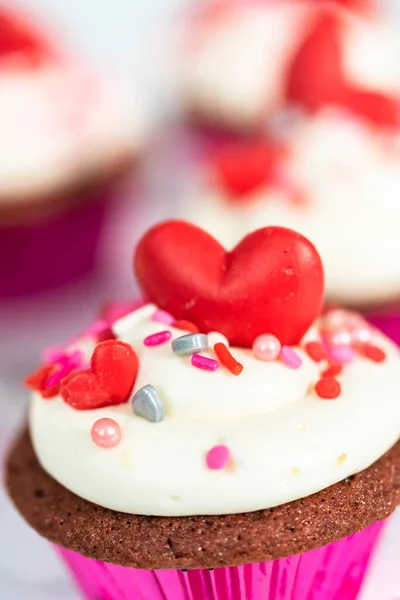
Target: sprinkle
[(290, 358), (341, 354), (218, 457), (328, 388), (266, 347), (372, 352), (147, 403), (190, 344), (227, 360), (98, 327), (202, 362), (315, 351), (106, 433), (162, 316), (186, 326), (58, 375), (332, 371), (52, 356), (157, 338)]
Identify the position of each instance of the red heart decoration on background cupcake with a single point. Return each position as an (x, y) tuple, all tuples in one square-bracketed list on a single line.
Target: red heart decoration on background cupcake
[(109, 381), (21, 43), (272, 282)]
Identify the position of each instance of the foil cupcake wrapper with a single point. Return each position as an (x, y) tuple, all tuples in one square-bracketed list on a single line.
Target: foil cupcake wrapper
[(334, 572)]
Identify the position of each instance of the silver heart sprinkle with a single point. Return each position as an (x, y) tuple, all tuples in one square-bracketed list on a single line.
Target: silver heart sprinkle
[(147, 403), (190, 343)]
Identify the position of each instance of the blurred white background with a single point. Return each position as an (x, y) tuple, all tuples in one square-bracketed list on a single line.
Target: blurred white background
[(130, 35)]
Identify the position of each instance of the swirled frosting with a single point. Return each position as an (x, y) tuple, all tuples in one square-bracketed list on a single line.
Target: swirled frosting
[(285, 442)]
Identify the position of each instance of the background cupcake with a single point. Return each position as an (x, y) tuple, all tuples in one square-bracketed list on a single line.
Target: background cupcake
[(313, 137), (245, 488), (70, 136)]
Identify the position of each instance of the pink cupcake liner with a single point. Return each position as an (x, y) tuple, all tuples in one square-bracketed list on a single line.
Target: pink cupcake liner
[(40, 256), (388, 323), (334, 572)]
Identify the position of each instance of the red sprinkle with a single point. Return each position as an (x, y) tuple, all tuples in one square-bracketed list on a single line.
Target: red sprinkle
[(37, 382), (186, 326), (372, 352), (328, 388), (315, 351), (332, 371), (226, 359)]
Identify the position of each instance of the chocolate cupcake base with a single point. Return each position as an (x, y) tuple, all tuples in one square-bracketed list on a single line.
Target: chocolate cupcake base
[(202, 541)]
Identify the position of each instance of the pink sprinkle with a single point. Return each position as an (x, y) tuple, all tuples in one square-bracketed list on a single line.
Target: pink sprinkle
[(341, 354), (157, 338), (202, 362), (53, 356), (106, 433), (218, 457), (290, 358), (97, 328), (162, 316)]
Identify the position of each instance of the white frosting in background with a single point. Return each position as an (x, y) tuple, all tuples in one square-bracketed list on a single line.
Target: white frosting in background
[(353, 186), (61, 125), (237, 73), (286, 443)]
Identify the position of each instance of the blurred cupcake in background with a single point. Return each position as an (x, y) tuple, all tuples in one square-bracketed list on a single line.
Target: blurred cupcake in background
[(319, 153), (70, 137), (242, 56)]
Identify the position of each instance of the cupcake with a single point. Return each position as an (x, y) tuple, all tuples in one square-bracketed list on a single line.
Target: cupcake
[(317, 151), (157, 476), (303, 52), (332, 177), (69, 139)]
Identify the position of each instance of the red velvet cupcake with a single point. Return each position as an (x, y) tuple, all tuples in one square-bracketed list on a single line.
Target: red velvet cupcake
[(69, 139)]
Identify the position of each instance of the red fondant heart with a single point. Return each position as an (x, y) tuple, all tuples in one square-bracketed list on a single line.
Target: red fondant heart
[(110, 380), (272, 282)]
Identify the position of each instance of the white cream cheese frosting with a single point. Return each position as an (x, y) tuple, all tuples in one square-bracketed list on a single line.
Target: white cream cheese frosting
[(285, 441), (62, 125), (260, 41), (350, 177)]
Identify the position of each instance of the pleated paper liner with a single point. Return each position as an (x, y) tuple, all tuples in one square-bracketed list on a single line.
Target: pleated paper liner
[(334, 572)]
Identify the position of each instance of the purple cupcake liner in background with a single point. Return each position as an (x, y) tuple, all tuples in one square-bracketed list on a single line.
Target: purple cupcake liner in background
[(334, 572), (47, 254)]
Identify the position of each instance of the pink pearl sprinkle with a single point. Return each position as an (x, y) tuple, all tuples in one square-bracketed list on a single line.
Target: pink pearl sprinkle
[(218, 457), (162, 316), (361, 334), (290, 358), (341, 354), (205, 363), (157, 338), (266, 347), (106, 433)]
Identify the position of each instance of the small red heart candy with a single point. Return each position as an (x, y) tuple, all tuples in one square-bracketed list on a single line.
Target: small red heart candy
[(243, 167), (115, 364), (82, 391), (272, 282)]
